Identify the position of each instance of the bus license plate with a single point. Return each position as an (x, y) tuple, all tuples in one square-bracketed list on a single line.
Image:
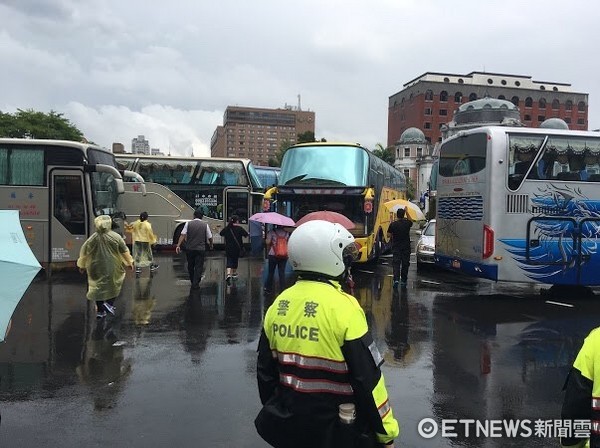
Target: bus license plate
[(456, 264)]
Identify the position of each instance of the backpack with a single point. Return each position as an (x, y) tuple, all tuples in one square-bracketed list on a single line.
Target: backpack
[(280, 249)]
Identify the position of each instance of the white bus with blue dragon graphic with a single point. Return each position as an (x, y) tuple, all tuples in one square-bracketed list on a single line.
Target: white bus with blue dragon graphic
[(520, 205)]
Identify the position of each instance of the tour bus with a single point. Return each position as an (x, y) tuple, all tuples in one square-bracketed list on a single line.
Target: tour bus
[(59, 187), (176, 186), (341, 177), (521, 205), (268, 175)]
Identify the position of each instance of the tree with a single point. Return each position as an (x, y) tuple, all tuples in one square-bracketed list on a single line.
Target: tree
[(33, 124), (306, 137), (387, 154), (410, 189)]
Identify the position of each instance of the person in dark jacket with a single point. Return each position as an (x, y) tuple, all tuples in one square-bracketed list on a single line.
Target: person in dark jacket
[(234, 243), (399, 231)]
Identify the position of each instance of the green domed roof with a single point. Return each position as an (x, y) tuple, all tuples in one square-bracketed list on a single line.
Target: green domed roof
[(554, 123), (487, 103), (412, 135)]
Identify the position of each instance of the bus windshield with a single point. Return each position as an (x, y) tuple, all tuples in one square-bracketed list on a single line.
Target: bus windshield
[(333, 165), (104, 191)]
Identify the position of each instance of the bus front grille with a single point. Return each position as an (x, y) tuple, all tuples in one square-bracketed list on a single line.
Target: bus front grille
[(517, 203)]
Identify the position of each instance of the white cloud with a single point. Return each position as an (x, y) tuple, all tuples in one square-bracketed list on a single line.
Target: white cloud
[(119, 69)]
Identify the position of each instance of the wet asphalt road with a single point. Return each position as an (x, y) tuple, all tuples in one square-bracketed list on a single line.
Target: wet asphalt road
[(177, 368)]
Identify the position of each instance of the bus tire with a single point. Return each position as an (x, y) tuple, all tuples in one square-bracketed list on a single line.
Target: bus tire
[(177, 233)]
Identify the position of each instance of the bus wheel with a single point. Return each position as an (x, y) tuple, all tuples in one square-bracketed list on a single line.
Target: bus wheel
[(376, 252)]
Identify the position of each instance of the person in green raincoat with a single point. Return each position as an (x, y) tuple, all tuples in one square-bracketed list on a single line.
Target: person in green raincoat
[(104, 256)]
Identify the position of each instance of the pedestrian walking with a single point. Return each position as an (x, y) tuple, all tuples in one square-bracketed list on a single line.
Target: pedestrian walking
[(103, 256), (257, 237), (197, 236), (234, 246), (316, 353), (582, 389), (142, 240), (399, 232), (277, 255)]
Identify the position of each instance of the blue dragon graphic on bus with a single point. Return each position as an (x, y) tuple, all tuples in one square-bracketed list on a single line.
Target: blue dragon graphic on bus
[(562, 237)]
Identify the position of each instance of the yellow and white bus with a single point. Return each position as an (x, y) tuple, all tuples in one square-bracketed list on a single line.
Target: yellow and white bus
[(176, 186), (59, 187), (345, 178)]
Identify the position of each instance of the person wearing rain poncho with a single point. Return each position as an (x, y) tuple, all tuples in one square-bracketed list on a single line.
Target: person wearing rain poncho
[(104, 256), (143, 238)]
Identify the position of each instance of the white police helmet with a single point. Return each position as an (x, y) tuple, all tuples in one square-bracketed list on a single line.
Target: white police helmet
[(321, 247)]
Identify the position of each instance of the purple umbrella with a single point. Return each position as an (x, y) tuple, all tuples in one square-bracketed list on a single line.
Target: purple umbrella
[(273, 218)]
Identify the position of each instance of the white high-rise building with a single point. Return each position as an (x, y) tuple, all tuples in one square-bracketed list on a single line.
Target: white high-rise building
[(139, 145)]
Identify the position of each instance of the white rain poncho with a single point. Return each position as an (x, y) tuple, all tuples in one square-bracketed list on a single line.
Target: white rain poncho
[(104, 256)]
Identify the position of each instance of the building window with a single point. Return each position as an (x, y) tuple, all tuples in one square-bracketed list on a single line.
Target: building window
[(428, 111), (460, 81), (406, 152), (542, 103), (542, 87), (472, 96), (419, 152), (429, 95), (427, 125), (555, 88), (555, 104), (443, 112), (503, 82), (541, 118), (581, 106), (528, 102), (527, 117), (567, 120), (410, 98), (517, 83), (490, 81), (501, 97), (458, 97), (515, 100), (407, 173), (443, 95), (580, 121), (446, 79), (569, 105)]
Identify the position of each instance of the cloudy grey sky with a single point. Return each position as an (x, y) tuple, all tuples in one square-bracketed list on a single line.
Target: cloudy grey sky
[(168, 69)]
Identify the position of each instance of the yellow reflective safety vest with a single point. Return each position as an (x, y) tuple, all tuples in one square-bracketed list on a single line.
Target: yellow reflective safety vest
[(316, 352), (581, 405)]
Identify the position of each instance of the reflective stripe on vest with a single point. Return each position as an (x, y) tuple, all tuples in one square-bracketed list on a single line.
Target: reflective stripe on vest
[(384, 409), (315, 386), (311, 362)]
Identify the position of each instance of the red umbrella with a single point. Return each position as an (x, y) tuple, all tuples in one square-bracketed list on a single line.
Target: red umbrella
[(327, 215)]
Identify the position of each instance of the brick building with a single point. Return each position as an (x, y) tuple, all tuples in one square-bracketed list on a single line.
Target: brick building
[(429, 101), (257, 134)]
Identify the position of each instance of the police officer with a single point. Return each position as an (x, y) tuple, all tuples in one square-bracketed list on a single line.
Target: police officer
[(315, 351), (582, 396)]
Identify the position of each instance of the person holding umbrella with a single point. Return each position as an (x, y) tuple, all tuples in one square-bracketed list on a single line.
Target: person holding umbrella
[(104, 256), (277, 256)]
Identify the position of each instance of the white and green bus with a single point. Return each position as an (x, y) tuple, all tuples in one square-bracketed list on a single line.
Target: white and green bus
[(176, 186), (59, 187)]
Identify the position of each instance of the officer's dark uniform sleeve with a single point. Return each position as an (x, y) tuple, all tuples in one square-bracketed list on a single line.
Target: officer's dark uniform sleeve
[(267, 372), (363, 360), (577, 404)]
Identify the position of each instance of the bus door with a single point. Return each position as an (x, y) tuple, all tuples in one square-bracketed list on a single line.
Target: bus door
[(69, 224), (237, 201), (553, 247), (589, 251)]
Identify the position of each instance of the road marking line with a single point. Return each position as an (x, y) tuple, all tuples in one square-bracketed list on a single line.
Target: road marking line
[(431, 282), (368, 272), (568, 305)]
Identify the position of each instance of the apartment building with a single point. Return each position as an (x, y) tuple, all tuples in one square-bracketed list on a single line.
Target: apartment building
[(257, 133), (429, 101)]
